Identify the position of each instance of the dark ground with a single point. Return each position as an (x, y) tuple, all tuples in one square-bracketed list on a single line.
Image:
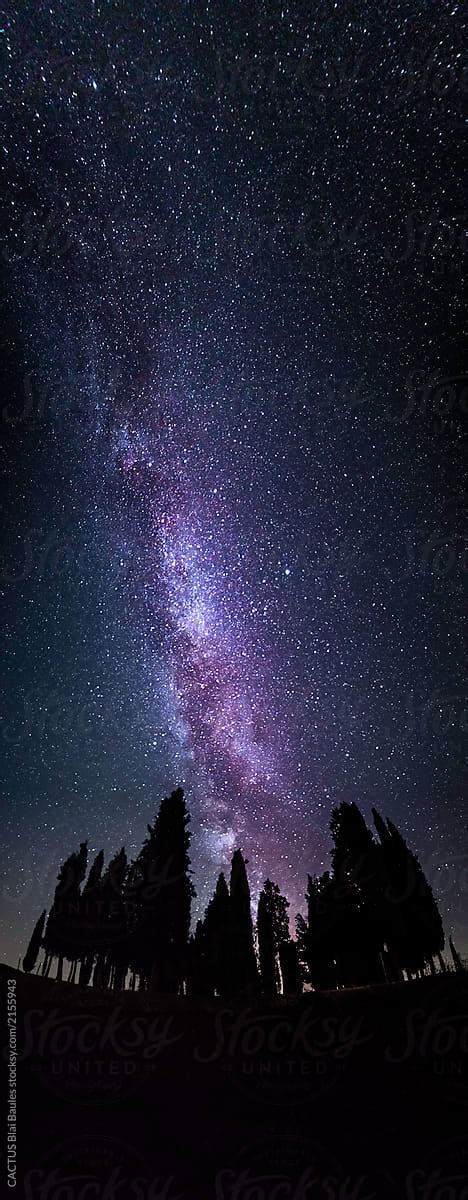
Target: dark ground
[(356, 1094)]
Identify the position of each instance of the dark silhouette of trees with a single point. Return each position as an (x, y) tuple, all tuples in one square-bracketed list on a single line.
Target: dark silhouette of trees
[(244, 979), (290, 967), (88, 922), (32, 952), (302, 944), (210, 951), (217, 925), (117, 929), (374, 915), (319, 934), (267, 948), (412, 923), (276, 951), (198, 982), (60, 932), (112, 938), (161, 891), (355, 898), (369, 919)]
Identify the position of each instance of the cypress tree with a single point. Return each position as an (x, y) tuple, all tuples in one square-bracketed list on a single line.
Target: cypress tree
[(217, 925), (320, 935), (290, 967), (267, 952), (273, 937), (162, 891), (244, 963), (414, 929), (112, 931), (59, 935), (198, 976), (117, 915), (88, 920), (357, 897), (30, 958)]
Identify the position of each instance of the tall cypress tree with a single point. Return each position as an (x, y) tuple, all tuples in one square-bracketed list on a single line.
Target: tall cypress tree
[(413, 925), (59, 935), (118, 944), (267, 952), (112, 929), (88, 920), (290, 967), (302, 940), (162, 891), (198, 975), (321, 933), (217, 925), (244, 963), (273, 936), (30, 958), (356, 896)]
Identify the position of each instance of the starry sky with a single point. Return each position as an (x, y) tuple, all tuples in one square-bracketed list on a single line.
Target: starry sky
[(233, 423)]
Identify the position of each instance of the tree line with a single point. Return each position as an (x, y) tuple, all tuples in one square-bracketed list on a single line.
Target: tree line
[(371, 919)]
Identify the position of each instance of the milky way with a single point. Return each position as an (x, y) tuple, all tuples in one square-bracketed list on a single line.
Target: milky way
[(234, 415)]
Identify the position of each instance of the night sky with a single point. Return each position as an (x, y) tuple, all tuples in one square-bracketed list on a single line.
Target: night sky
[(233, 417)]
